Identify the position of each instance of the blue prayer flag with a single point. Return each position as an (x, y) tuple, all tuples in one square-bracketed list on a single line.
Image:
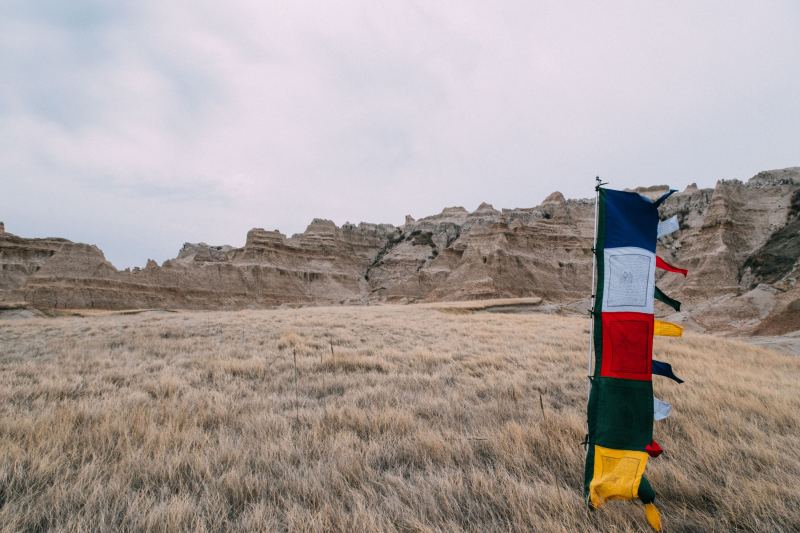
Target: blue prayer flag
[(665, 369)]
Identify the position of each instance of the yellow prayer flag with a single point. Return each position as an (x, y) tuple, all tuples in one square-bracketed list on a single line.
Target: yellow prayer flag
[(653, 516), (617, 474), (667, 329)]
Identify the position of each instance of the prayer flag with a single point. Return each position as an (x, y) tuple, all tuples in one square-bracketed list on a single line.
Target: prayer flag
[(661, 409), (665, 369), (617, 474), (653, 449), (666, 227), (666, 329), (661, 297), (663, 265)]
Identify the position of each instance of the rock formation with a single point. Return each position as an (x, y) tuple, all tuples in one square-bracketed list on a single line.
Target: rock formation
[(457, 255), (325, 264), (741, 242)]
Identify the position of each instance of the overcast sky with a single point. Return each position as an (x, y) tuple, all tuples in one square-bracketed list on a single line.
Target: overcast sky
[(139, 125)]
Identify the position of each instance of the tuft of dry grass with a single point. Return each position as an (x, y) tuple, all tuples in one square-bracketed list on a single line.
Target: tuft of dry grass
[(395, 418)]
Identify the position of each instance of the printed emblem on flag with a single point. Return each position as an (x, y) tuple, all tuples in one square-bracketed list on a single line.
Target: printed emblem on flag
[(617, 474), (629, 280)]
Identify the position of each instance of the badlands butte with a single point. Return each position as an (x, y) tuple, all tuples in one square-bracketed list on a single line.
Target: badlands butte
[(739, 240)]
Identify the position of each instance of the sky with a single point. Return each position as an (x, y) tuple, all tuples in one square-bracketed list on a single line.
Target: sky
[(138, 126)]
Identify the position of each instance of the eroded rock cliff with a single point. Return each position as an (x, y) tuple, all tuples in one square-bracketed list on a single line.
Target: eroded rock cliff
[(323, 265), (741, 244), (740, 240)]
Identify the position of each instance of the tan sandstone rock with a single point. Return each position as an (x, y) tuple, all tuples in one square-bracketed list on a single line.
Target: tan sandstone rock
[(739, 240)]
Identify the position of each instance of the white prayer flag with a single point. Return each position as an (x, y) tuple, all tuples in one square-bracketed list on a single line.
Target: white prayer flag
[(629, 280), (665, 227), (661, 409)]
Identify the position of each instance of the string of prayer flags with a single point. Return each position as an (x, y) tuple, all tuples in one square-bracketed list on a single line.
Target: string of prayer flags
[(621, 408)]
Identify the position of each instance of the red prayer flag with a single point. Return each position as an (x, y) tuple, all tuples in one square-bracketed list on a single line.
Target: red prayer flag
[(653, 449), (663, 265), (627, 346)]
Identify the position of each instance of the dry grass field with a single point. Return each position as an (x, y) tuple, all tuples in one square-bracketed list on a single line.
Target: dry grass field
[(395, 418)]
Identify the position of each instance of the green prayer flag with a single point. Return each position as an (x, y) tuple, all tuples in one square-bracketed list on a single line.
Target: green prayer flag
[(660, 296)]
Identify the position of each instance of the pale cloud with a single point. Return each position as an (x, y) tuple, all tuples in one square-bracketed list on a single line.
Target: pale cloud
[(139, 125)]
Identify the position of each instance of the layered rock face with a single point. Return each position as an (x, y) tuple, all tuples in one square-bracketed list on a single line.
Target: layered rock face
[(456, 255), (323, 265), (741, 242)]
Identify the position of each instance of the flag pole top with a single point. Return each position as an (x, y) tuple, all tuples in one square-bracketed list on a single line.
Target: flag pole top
[(599, 183)]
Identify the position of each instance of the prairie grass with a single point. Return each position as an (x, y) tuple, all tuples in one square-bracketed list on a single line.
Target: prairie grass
[(391, 418)]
